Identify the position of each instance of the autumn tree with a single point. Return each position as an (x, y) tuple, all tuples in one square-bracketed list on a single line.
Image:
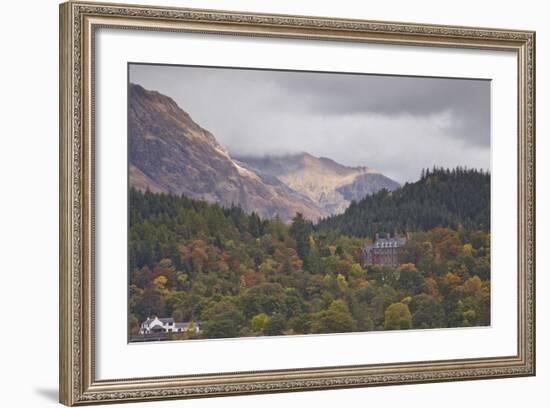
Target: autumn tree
[(397, 317), (241, 275)]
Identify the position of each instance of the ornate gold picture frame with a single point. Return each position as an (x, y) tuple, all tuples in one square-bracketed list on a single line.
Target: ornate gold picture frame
[(79, 22)]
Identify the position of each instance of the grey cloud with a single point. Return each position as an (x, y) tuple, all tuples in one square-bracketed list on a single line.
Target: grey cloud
[(467, 100)]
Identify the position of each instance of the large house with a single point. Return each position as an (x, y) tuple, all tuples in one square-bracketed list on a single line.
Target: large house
[(384, 251), (167, 325)]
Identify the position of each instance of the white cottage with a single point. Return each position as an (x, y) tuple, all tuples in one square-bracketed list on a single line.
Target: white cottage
[(167, 325)]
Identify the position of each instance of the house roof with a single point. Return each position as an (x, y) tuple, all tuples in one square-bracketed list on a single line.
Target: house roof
[(387, 242), (166, 320), (390, 241)]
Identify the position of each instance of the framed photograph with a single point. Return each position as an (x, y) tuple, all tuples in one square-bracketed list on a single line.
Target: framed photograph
[(256, 203)]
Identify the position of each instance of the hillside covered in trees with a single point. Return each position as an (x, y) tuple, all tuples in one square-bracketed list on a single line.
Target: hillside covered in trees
[(241, 275), (442, 197)]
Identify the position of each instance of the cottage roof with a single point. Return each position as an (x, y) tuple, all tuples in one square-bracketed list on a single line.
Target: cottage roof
[(390, 241), (387, 242)]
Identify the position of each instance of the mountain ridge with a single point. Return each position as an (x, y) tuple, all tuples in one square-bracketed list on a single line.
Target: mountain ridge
[(331, 185), (169, 152)]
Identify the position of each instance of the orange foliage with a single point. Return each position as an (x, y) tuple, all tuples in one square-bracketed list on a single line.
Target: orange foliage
[(451, 280), (431, 287), (472, 285), (252, 278)]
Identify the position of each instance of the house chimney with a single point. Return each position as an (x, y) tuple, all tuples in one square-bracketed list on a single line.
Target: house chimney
[(388, 235), (377, 236)]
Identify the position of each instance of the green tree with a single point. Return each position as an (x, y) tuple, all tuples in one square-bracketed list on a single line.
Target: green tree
[(275, 325), (223, 320), (300, 231), (357, 271), (300, 323), (336, 319), (410, 280), (397, 317), (258, 322), (268, 298), (427, 312), (312, 263)]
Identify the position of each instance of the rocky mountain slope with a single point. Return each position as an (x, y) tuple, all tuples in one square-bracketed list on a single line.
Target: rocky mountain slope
[(170, 153), (330, 185)]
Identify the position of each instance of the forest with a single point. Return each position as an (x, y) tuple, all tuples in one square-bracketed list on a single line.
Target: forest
[(442, 197), (240, 275)]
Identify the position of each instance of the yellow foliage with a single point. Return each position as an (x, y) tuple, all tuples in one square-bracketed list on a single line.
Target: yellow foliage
[(431, 287), (357, 271), (408, 266), (165, 263), (472, 285), (362, 283), (160, 282), (467, 249)]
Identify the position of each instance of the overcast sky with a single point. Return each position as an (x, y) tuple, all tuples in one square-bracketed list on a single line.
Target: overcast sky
[(397, 125)]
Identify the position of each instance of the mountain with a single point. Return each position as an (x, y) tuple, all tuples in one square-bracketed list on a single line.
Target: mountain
[(170, 153), (442, 197), (330, 185)]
